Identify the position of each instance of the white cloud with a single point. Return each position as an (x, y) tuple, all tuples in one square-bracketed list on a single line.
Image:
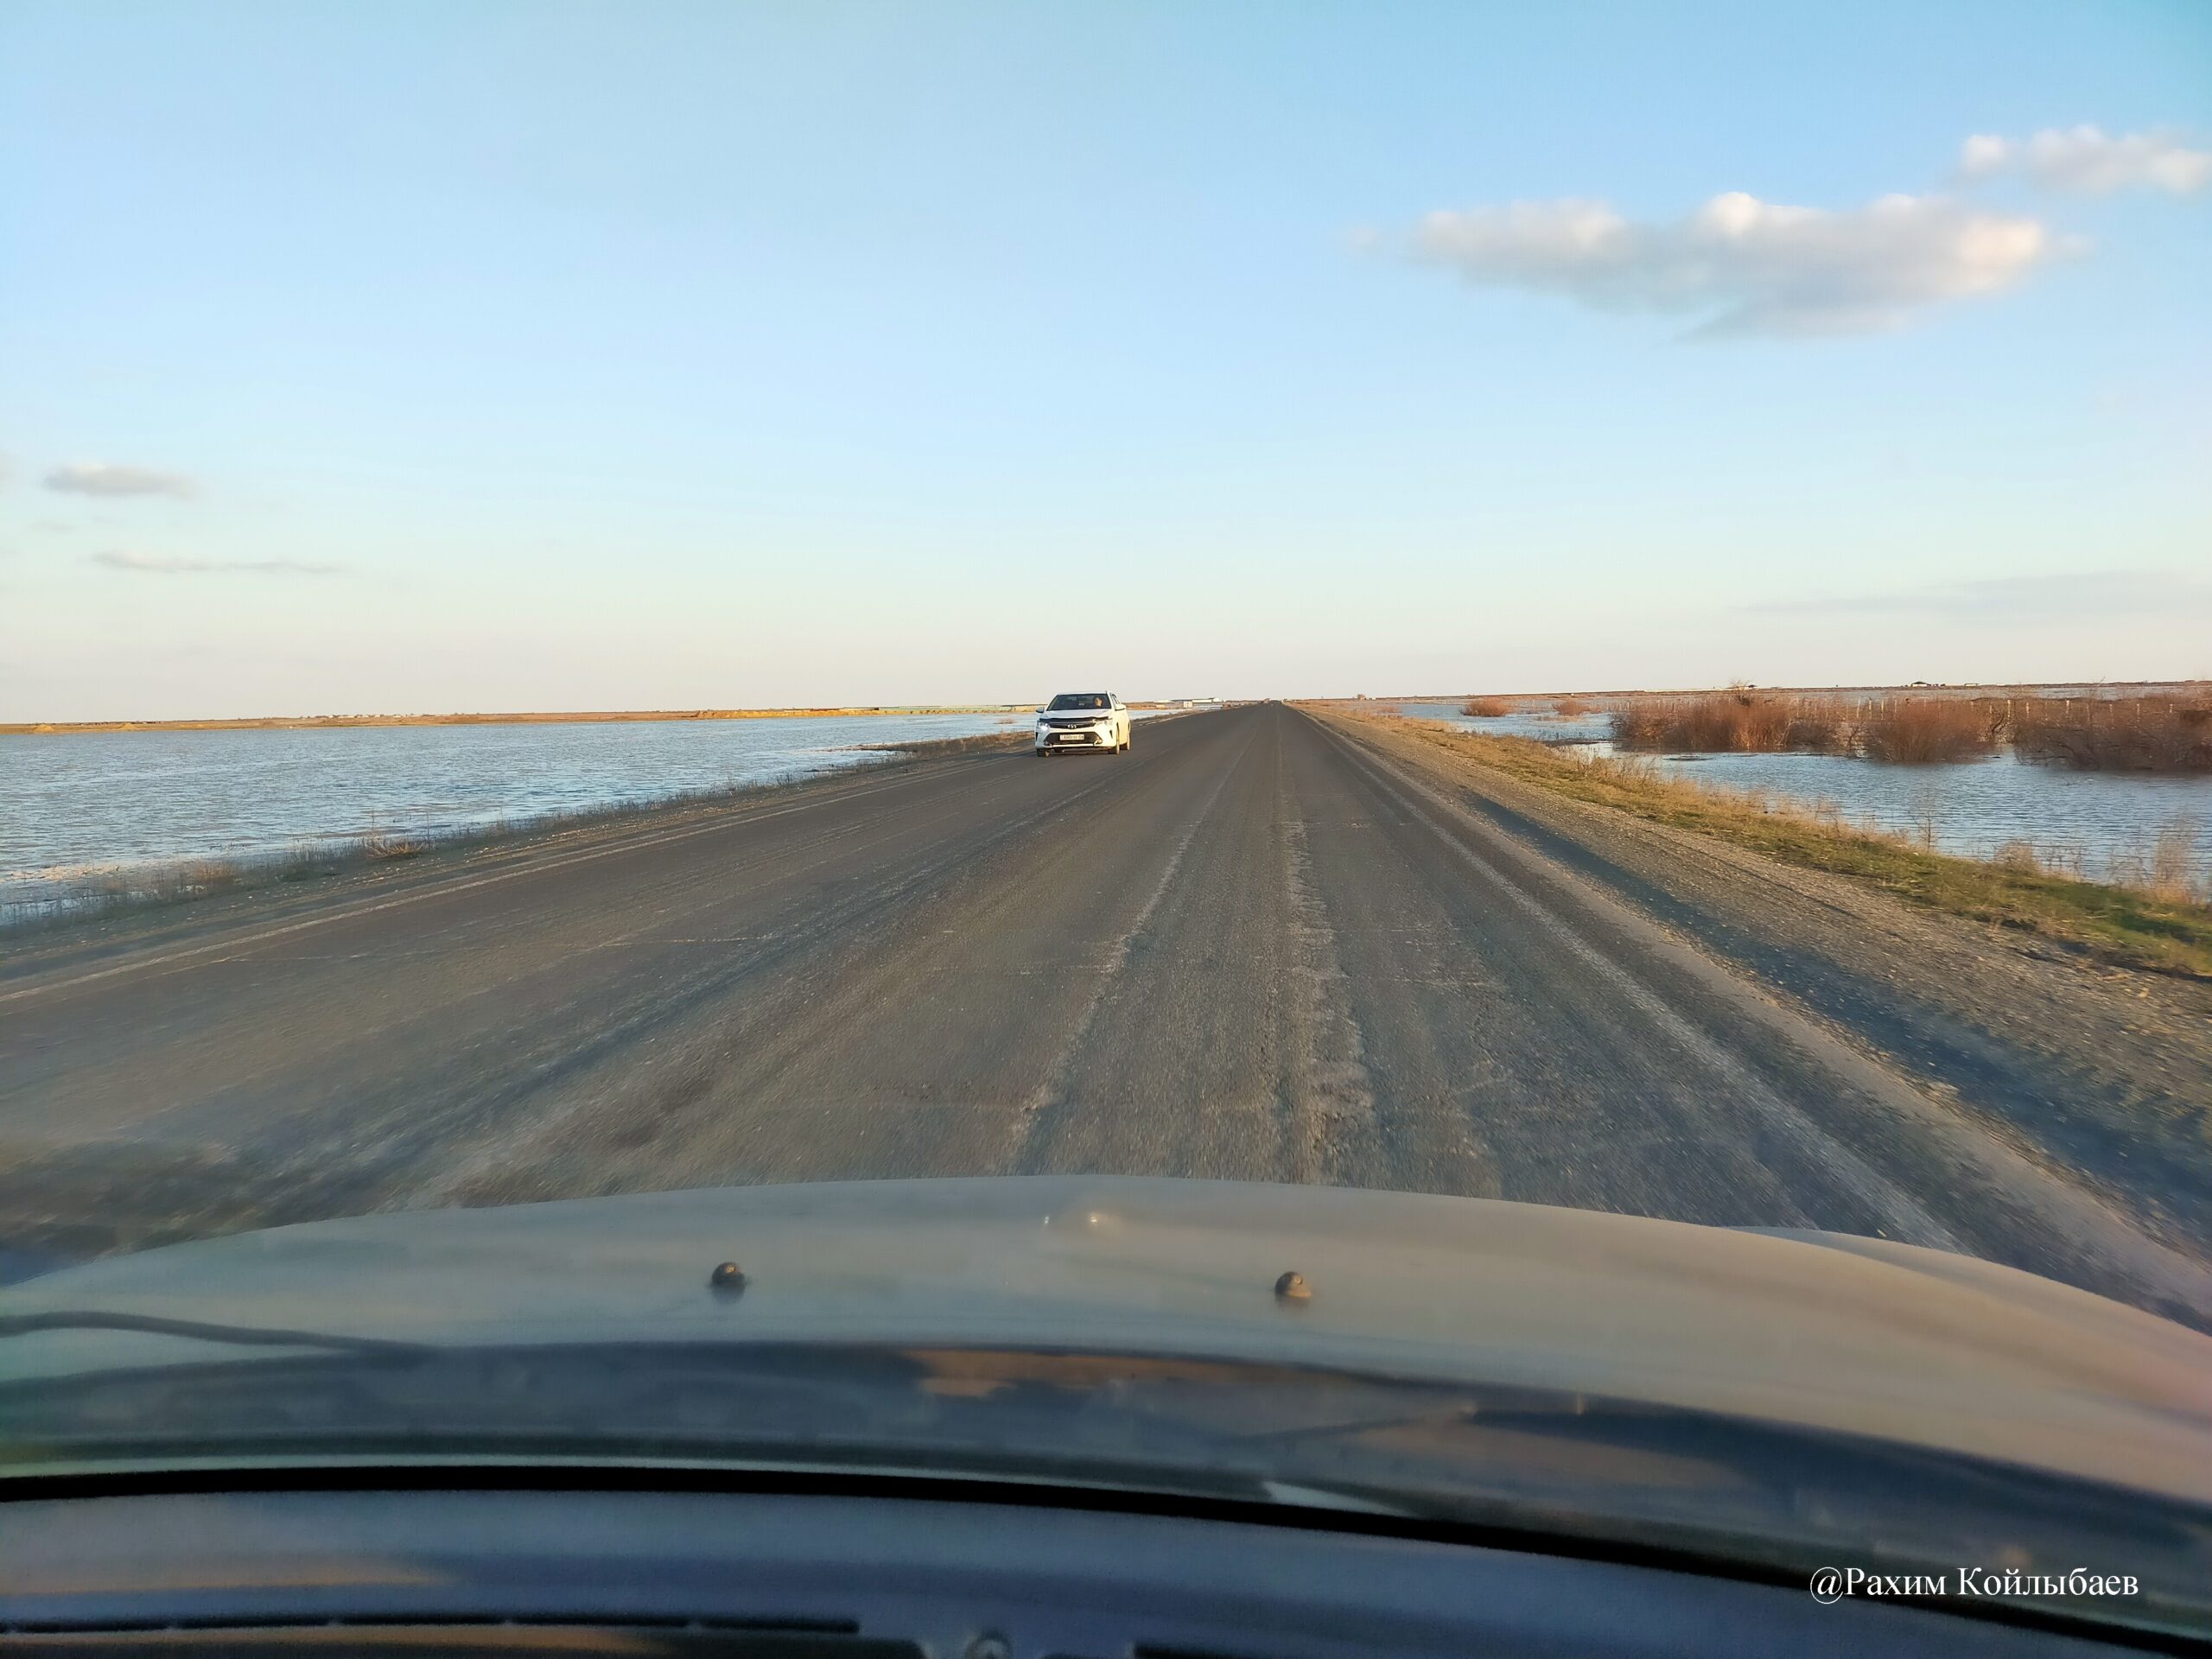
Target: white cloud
[(1746, 265), (2088, 159), (156, 564), (97, 477)]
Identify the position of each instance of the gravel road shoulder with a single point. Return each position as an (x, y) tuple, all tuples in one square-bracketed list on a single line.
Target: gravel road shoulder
[(2101, 1074)]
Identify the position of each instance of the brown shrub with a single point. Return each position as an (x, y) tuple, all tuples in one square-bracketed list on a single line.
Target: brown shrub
[(1822, 725), (1724, 722), (1917, 730), (1744, 722), (1486, 707), (1570, 707), (2169, 733)]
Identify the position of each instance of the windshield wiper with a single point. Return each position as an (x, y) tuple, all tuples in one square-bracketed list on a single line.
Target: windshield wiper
[(242, 1336)]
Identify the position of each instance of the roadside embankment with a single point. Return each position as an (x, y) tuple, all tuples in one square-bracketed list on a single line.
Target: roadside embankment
[(982, 742), (2169, 932), (100, 894), (2041, 1027)]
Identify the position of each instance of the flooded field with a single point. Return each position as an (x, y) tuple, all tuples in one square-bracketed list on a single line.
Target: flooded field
[(78, 809), (1543, 727), (2105, 826)]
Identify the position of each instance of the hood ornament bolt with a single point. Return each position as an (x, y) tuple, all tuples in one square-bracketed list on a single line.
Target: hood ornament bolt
[(1293, 1288), (729, 1278)]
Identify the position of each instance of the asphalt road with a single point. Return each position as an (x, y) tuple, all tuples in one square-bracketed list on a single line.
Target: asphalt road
[(1253, 947)]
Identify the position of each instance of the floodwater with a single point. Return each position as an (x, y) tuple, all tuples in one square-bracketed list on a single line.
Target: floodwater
[(78, 809), (2104, 826), (1543, 727)]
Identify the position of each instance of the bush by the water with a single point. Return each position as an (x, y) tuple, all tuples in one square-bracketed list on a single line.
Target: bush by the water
[(2166, 731), (1744, 722), (2172, 732), (1917, 730)]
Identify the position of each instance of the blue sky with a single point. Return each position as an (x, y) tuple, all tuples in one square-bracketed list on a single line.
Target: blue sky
[(449, 356)]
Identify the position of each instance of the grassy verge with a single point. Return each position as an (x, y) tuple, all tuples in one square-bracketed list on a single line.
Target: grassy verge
[(2116, 925)]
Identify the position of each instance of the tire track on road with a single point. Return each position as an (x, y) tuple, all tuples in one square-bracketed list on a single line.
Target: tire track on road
[(1330, 1101), (1044, 1113), (1908, 1221), (2029, 1194), (838, 926)]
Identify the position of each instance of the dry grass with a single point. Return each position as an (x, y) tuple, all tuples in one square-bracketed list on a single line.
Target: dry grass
[(1572, 708), (2154, 924), (2166, 868), (383, 848), (196, 878), (1020, 737), (2153, 733), (1486, 707)]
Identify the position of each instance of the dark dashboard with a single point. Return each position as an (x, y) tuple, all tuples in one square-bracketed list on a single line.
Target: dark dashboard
[(798, 1575)]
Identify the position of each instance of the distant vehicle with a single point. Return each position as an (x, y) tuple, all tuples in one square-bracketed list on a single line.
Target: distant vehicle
[(1096, 721)]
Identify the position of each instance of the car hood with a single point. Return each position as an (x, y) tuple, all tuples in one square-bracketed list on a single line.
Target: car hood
[(1815, 1330)]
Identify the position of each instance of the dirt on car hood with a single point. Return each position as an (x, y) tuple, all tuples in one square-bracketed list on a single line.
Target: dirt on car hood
[(1810, 1330)]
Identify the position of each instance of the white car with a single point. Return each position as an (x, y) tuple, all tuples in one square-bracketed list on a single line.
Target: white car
[(1082, 719)]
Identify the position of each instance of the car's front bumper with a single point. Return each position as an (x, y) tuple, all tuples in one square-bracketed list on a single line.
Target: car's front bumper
[(1079, 737)]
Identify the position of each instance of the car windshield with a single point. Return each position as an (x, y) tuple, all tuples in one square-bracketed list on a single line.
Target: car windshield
[(1647, 877)]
